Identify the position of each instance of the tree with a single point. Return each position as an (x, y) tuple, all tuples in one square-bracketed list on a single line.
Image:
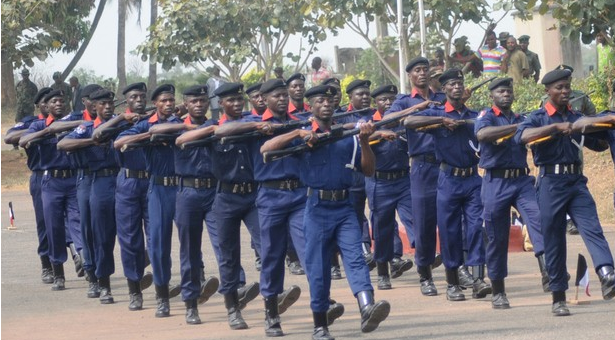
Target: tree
[(233, 34), (153, 66), (35, 29), (584, 17), (123, 8)]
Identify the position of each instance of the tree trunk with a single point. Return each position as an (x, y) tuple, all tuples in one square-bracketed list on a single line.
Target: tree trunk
[(86, 41), (121, 44), (151, 78), (9, 95)]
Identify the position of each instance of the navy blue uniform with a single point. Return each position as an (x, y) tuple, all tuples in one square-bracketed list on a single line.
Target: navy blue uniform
[(458, 189), (160, 165), (562, 189), (103, 168), (59, 195), (195, 198), (332, 222), (389, 191), (34, 164), (506, 183), (131, 216), (281, 203), (424, 173), (235, 202)]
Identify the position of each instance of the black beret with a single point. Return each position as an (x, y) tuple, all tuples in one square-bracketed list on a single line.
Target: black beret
[(229, 89), (555, 75), (330, 81), (325, 90), (53, 93), (253, 88), (564, 67), (295, 76), (386, 89), (164, 88), (524, 38), (272, 84), (89, 89), (416, 61), (450, 74), (135, 87), (497, 82), (102, 94), (41, 93), (195, 90), (355, 84)]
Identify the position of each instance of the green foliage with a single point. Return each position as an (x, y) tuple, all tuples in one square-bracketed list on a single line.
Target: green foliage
[(344, 83), (35, 28), (373, 70), (599, 83), (252, 77)]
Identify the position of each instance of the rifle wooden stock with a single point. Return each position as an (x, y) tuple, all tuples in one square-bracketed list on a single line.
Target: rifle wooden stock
[(200, 142), (540, 140), (504, 138), (439, 125), (326, 138)]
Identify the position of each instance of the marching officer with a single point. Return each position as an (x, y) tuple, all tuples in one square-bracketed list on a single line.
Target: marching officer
[(162, 190), (256, 99), (506, 183), (562, 189), (458, 195), (424, 173), (296, 90), (329, 217)]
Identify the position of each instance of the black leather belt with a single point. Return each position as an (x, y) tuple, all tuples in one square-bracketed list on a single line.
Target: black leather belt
[(509, 173), (426, 158), (83, 172), (391, 175), (329, 195), (282, 184), (167, 181), (561, 169), (141, 174), (60, 173), (106, 172), (198, 183), (38, 172), (458, 172), (237, 188)]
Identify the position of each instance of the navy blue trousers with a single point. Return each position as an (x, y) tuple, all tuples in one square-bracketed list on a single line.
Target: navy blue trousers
[(498, 195), (280, 213), (557, 196), (424, 183), (59, 196), (131, 219), (460, 197), (84, 186), (102, 209), (35, 191), (229, 211), (161, 210), (327, 224)]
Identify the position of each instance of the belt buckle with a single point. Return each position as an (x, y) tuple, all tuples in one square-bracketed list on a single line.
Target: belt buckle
[(334, 196), (566, 169)]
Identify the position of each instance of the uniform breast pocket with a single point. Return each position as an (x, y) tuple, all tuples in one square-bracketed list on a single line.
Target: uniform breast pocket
[(225, 155), (317, 166)]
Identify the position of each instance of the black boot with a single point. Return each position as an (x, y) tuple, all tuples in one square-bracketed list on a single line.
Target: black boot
[(77, 259), (287, 298), (146, 281), (247, 293), (235, 320), (192, 312), (559, 307), (480, 288), (607, 280), (321, 330), (209, 287), (465, 278), (428, 288), (135, 296), (453, 291), (175, 290), (58, 277), (335, 311), (336, 271), (273, 325), (105, 290), (498, 299), (400, 266), (163, 308), (384, 280), (542, 265), (47, 270), (93, 286), (368, 256), (372, 314)]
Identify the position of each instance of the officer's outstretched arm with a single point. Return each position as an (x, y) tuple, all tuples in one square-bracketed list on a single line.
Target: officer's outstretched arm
[(532, 134), (413, 122), (196, 134), (72, 144), (281, 141), (594, 124), (28, 137), (14, 136), (170, 128), (120, 142), (368, 159), (490, 134)]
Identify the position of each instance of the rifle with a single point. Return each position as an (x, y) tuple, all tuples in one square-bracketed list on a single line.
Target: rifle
[(399, 135), (155, 139), (337, 133), (606, 126), (438, 125), (283, 128), (200, 142), (60, 134), (477, 86), (586, 95), (121, 102)]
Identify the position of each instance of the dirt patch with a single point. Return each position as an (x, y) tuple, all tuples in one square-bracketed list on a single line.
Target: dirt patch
[(15, 172)]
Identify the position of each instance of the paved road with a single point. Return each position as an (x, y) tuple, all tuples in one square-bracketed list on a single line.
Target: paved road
[(30, 310)]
